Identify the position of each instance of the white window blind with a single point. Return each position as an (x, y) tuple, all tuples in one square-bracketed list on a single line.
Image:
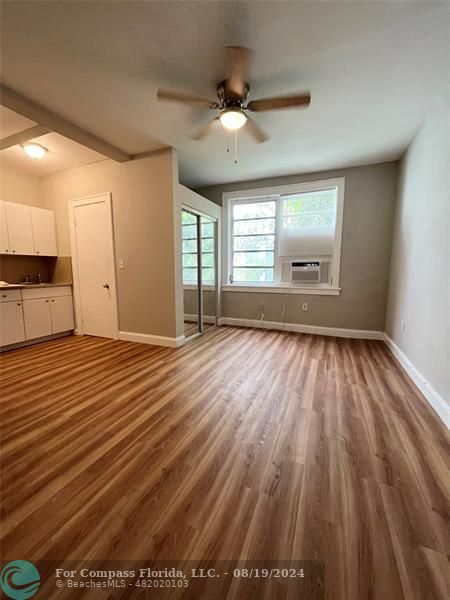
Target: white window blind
[(308, 223)]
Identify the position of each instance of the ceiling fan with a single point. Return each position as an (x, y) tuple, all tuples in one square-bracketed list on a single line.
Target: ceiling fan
[(232, 95)]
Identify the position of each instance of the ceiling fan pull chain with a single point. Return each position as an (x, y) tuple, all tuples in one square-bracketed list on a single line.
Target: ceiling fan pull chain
[(235, 147), (228, 141)]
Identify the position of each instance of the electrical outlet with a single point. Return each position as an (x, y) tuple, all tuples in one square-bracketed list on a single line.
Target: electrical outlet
[(121, 263), (261, 307), (402, 326), (305, 306)]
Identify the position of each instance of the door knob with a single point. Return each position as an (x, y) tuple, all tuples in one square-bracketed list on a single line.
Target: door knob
[(106, 285)]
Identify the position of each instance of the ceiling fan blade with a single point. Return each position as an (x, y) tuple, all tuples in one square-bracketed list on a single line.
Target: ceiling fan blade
[(238, 64), (254, 130), (172, 96), (204, 130), (297, 101)]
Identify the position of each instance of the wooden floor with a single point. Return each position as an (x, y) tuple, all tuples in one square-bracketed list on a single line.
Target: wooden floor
[(243, 444), (191, 328)]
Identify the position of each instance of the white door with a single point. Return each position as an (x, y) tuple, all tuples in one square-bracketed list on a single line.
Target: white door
[(4, 239), (38, 321), (44, 231), (62, 313), (94, 266), (11, 323), (18, 219)]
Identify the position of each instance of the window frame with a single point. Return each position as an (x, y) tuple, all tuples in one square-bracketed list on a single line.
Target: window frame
[(229, 199)]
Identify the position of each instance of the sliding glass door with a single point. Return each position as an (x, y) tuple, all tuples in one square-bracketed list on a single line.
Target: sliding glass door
[(200, 273)]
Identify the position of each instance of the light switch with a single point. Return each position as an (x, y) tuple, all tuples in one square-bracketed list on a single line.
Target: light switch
[(121, 263)]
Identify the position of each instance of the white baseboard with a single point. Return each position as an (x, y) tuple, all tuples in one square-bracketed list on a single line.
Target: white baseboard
[(434, 399), (154, 340), (363, 334), (194, 318), (45, 338)]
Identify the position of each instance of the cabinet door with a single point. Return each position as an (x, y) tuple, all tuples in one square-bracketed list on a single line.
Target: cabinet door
[(18, 219), (11, 323), (62, 314), (44, 231), (4, 239), (37, 316)]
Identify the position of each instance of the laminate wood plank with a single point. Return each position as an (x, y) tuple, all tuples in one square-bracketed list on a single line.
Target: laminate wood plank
[(241, 445)]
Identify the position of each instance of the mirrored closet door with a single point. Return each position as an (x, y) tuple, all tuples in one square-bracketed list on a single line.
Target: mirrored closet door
[(200, 273)]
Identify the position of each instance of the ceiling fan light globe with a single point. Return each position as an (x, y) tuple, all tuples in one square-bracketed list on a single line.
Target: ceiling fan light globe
[(35, 151), (233, 119)]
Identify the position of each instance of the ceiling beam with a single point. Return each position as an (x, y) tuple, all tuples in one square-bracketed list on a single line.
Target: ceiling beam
[(23, 136), (53, 122)]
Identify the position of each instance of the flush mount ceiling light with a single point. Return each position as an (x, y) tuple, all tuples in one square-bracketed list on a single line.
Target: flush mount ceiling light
[(233, 118), (34, 150)]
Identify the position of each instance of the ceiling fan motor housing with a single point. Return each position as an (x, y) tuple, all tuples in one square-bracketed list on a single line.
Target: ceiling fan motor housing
[(228, 99)]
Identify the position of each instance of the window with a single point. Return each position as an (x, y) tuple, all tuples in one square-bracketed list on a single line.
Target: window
[(189, 240), (253, 241), (266, 230)]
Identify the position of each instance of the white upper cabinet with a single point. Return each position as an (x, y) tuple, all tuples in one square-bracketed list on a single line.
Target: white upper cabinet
[(20, 233), (27, 230), (44, 231), (4, 239)]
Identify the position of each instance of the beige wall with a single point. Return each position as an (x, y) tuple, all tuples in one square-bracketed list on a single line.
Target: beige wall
[(420, 268), (143, 199), (366, 246), (16, 186)]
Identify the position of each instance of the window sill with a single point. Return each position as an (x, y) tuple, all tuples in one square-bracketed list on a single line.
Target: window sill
[(194, 286), (324, 290)]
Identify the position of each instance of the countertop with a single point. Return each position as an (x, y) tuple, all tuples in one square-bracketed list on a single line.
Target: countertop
[(19, 286)]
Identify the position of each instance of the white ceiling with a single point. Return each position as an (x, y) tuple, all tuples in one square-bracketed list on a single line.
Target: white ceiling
[(11, 122), (62, 153), (373, 68)]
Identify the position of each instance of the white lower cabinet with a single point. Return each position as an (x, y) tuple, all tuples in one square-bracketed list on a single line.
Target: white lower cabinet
[(38, 319), (47, 311), (12, 328), (33, 313), (61, 310)]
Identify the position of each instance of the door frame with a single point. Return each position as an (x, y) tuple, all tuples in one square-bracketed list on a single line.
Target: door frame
[(72, 204)]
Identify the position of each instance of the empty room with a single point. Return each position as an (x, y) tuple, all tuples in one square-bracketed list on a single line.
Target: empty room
[(224, 300)]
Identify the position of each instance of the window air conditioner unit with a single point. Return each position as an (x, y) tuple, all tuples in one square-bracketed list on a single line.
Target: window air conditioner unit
[(305, 272)]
